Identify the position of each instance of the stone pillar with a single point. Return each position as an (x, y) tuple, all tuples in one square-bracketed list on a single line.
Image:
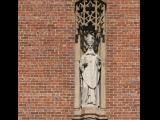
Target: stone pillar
[(103, 89), (77, 80)]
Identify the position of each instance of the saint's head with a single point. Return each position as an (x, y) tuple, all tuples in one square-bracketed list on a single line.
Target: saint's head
[(89, 40)]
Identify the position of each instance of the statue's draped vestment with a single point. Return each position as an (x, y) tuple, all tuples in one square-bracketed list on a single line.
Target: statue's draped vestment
[(90, 77)]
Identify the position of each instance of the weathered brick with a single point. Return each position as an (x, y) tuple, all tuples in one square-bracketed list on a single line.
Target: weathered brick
[(46, 59)]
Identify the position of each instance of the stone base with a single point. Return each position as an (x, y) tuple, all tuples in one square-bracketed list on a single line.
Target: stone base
[(89, 113)]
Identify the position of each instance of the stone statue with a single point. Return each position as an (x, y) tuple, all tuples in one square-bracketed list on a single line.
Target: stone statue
[(90, 66)]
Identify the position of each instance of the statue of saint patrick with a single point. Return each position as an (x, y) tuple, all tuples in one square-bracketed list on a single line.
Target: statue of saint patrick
[(90, 66)]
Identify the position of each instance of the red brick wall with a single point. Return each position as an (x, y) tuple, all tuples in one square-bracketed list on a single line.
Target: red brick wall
[(46, 59), (123, 58)]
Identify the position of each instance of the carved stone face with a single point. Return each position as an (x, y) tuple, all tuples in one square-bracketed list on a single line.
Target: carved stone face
[(90, 40)]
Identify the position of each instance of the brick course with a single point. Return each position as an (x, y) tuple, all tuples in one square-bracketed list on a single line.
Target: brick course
[(46, 30)]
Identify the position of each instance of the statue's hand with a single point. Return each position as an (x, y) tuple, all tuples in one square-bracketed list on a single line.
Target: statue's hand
[(85, 65), (98, 61)]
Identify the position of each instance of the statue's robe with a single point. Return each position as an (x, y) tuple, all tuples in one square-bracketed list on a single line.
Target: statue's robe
[(90, 77)]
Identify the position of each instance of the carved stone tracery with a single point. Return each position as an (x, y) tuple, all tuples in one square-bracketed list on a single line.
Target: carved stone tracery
[(90, 17)]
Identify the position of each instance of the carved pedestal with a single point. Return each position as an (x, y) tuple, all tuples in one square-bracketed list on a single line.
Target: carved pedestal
[(90, 114)]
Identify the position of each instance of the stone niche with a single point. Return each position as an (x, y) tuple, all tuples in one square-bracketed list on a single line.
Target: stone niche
[(90, 98)]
